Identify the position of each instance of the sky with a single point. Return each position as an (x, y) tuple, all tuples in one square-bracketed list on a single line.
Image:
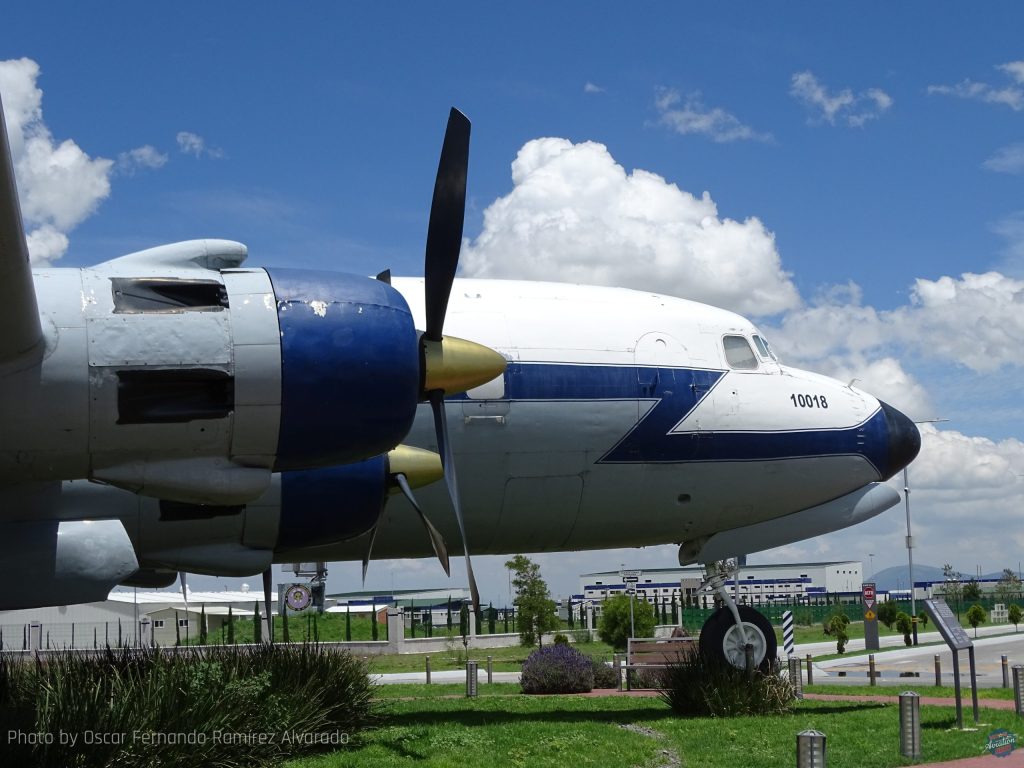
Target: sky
[(850, 177)]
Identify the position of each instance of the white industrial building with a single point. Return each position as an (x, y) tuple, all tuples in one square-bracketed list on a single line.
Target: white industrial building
[(757, 584), (125, 618)]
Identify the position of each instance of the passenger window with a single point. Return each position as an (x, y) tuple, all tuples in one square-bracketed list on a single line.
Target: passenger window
[(739, 354)]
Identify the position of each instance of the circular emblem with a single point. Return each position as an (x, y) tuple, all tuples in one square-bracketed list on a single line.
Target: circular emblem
[(1001, 742), (298, 597)]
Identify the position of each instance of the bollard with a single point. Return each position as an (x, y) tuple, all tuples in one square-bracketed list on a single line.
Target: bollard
[(428, 670), (1006, 671), (910, 724), (810, 672), (810, 749), (794, 677), (490, 670), (471, 681), (1018, 689), (938, 670), (871, 668)]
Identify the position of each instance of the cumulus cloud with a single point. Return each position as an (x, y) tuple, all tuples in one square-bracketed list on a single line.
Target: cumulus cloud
[(1008, 159), (590, 87), (1011, 95), (576, 215), (59, 185), (193, 144), (841, 106), (144, 157), (690, 116)]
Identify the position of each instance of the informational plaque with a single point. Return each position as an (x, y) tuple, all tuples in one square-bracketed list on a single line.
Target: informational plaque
[(948, 625)]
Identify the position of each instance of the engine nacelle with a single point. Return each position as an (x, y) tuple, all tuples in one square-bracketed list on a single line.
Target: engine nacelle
[(52, 562), (349, 368)]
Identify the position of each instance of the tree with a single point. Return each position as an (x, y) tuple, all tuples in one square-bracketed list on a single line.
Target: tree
[(613, 628), (905, 625), (202, 625), (952, 586), (1014, 614), (257, 623), (972, 590), (231, 627), (976, 615), (887, 613), (1008, 586), (533, 602)]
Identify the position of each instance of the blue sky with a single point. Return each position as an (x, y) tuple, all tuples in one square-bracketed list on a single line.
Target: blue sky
[(878, 144)]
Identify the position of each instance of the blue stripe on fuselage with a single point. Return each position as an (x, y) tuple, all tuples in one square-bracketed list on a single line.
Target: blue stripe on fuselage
[(673, 394)]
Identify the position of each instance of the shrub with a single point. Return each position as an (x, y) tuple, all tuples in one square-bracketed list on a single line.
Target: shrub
[(613, 628), (557, 669), (837, 628), (699, 686), (561, 639), (604, 676), (304, 692), (906, 626)]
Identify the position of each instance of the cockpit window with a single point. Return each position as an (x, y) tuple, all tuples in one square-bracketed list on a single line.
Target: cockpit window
[(739, 354), (763, 349)]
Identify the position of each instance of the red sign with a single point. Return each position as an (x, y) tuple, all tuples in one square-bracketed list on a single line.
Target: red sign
[(869, 593)]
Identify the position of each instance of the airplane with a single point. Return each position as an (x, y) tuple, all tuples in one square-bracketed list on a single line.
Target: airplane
[(177, 410)]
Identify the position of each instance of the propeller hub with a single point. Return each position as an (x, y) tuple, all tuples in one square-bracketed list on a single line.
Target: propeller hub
[(419, 466), (455, 365)]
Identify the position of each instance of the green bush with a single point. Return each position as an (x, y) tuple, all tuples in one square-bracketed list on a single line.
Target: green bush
[(614, 629), (561, 639), (194, 707), (557, 669), (698, 686), (905, 625), (604, 676)]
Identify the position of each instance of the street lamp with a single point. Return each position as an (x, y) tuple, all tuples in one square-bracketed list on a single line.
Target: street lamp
[(910, 538), (871, 559)]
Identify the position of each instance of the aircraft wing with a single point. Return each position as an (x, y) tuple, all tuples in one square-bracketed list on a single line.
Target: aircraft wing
[(20, 330)]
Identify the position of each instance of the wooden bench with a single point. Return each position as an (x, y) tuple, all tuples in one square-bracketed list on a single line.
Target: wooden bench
[(654, 653)]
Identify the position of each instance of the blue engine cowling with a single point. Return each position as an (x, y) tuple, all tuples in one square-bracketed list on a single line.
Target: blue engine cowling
[(325, 506), (349, 368)]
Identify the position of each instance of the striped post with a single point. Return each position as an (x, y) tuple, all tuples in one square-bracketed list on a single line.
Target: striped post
[(787, 633)]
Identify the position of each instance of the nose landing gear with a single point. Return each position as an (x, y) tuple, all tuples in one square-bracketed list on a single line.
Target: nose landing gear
[(728, 632)]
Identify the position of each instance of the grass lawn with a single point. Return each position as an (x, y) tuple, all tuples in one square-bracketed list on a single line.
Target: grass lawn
[(504, 659), (615, 730)]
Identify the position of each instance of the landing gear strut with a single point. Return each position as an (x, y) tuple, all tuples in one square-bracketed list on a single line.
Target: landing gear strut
[(729, 631)]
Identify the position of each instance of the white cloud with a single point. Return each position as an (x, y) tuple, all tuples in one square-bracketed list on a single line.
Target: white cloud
[(59, 185), (841, 106), (1011, 229), (1009, 95), (576, 214), (590, 87), (193, 144), (692, 117), (141, 157), (1008, 159)]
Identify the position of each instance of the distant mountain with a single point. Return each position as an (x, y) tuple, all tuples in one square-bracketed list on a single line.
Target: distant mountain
[(896, 576)]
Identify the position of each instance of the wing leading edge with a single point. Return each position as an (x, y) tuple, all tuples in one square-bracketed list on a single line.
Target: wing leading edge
[(20, 330)]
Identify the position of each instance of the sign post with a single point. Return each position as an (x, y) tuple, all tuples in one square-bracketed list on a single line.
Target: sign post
[(870, 616), (630, 579), (957, 640)]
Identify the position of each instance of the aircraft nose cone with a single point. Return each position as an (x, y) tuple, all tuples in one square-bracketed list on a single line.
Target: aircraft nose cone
[(904, 439)]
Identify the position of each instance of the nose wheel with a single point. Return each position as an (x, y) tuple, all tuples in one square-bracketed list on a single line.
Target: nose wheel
[(722, 639), (728, 632)]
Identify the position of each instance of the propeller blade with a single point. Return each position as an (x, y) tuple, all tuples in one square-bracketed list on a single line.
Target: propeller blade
[(448, 461), (444, 232), (184, 590), (436, 539), (267, 578), (369, 549)]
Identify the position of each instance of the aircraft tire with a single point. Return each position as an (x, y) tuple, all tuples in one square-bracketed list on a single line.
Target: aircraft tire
[(720, 638)]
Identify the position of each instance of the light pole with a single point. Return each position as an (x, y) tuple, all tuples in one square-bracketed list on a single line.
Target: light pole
[(871, 560), (910, 538)]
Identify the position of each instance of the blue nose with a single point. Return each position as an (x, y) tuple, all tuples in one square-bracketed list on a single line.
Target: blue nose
[(904, 441)]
